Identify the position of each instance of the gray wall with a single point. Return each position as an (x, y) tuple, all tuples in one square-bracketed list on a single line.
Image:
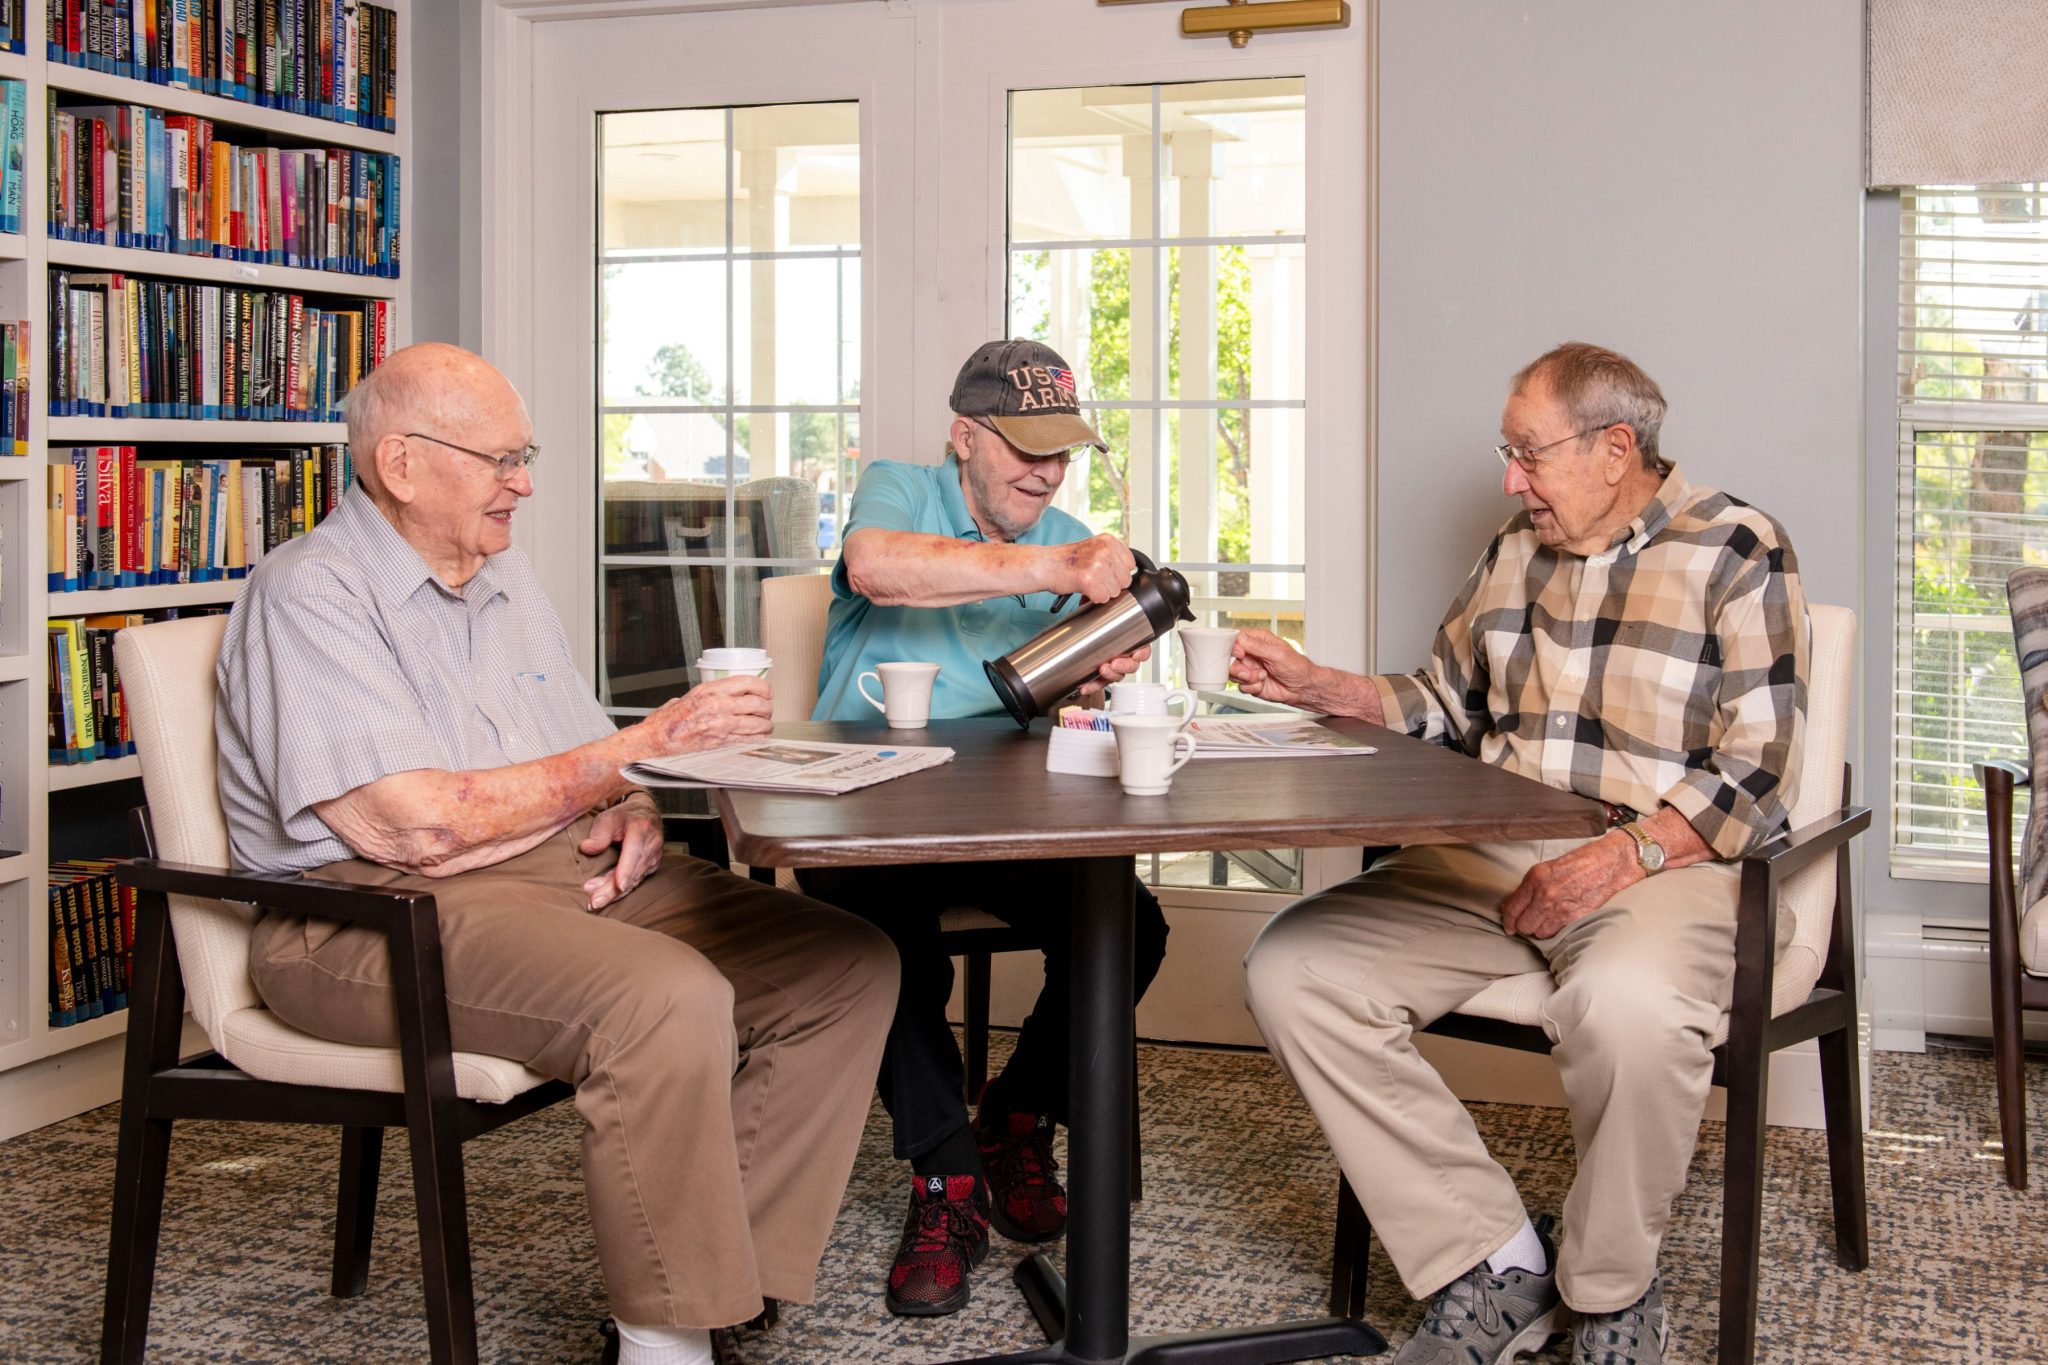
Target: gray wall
[(442, 172), (1680, 182)]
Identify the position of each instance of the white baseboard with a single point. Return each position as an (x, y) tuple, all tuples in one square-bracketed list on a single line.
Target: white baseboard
[(71, 1083)]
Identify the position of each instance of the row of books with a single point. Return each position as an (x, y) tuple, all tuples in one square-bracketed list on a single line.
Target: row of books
[(331, 59), (13, 26), (119, 521), (13, 151), (88, 715), (126, 346), (92, 933), (131, 176), (14, 368)]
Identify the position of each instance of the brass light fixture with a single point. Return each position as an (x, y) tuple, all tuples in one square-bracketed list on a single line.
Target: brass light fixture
[(1240, 19)]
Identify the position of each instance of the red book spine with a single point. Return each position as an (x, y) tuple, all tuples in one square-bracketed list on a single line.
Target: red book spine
[(106, 546), (99, 176)]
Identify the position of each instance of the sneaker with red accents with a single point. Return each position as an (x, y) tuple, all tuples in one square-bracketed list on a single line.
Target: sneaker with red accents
[(945, 1235), (1027, 1203)]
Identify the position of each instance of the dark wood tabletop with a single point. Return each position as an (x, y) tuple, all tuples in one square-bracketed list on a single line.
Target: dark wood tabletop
[(996, 800)]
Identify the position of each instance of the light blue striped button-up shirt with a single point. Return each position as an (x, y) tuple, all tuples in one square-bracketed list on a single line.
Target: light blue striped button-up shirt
[(346, 660)]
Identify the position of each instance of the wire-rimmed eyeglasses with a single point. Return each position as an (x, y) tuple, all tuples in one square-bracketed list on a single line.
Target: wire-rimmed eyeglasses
[(1527, 456), (505, 465)]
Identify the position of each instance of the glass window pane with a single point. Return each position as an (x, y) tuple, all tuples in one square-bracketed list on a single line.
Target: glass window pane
[(654, 621), (795, 328), (1087, 306), (1238, 324), (662, 332), (1235, 154), (1081, 164), (663, 177), (824, 452), (674, 518), (796, 177)]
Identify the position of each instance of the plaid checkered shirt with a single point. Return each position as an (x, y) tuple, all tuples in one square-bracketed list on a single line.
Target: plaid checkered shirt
[(1668, 670)]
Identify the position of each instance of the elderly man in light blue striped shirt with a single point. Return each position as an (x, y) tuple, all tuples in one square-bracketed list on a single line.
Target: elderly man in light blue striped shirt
[(398, 707)]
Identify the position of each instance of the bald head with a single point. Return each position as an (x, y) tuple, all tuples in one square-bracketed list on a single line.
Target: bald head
[(430, 387)]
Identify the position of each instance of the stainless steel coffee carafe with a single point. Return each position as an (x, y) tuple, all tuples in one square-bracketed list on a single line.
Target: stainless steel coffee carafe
[(1030, 678)]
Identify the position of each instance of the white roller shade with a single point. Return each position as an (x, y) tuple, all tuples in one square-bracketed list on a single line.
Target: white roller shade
[(1958, 92)]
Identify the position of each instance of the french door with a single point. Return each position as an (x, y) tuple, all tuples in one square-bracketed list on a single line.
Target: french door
[(761, 241)]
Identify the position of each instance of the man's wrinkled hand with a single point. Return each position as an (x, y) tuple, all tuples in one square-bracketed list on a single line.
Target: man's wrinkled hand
[(1098, 568), (1115, 670), (1567, 888), (635, 826), (1266, 666), (711, 714)]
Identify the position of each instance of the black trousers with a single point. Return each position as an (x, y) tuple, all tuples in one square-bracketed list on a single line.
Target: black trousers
[(922, 1074)]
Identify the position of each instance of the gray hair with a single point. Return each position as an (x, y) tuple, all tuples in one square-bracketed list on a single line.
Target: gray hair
[(381, 402), (1600, 388)]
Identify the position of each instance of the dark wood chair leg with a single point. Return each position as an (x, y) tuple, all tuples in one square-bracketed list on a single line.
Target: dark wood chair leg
[(2007, 1032), (1348, 1260), (142, 1153), (355, 1209), (1842, 1098), (434, 1129), (975, 1007), (1742, 1186)]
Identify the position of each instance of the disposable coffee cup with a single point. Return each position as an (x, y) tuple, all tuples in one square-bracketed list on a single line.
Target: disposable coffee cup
[(906, 700), (714, 664), (1149, 751), (1206, 650)]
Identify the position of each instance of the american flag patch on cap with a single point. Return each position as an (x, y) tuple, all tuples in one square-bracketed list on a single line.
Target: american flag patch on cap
[(1062, 378)]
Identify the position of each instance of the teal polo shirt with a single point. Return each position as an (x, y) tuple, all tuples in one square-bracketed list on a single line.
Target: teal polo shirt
[(894, 496)]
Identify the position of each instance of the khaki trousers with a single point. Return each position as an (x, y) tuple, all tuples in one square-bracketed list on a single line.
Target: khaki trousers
[(1340, 982), (722, 1037)]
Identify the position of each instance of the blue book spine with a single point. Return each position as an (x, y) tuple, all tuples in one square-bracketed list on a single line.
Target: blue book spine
[(157, 573)]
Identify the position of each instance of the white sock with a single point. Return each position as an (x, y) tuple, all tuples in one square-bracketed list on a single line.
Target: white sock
[(663, 1345), (1524, 1251)]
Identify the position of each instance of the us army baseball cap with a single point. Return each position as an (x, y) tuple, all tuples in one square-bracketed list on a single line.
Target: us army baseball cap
[(1026, 392)]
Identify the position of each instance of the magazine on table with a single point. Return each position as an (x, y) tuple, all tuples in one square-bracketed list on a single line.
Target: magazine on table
[(787, 765), (1297, 736)]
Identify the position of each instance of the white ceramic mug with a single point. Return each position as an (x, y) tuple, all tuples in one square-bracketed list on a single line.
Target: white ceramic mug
[(1131, 698), (1207, 652), (734, 662), (1149, 751), (906, 701)]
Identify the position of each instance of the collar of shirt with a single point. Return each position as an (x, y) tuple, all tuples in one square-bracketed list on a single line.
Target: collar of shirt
[(394, 568), (1673, 493), (954, 502)]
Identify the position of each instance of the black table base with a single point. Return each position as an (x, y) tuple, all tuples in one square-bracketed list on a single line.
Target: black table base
[(1092, 1325)]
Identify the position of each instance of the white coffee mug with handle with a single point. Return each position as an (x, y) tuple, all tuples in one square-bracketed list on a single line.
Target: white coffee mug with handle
[(1207, 651), (1149, 751), (906, 700), (1132, 698)]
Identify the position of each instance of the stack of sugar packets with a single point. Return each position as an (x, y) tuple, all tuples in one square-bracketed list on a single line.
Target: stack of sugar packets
[(1081, 742)]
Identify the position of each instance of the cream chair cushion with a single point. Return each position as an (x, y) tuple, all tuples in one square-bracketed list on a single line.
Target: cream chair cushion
[(793, 612), (2034, 938), (167, 678), (1808, 897)]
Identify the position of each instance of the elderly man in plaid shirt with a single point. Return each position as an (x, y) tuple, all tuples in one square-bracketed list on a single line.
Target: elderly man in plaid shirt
[(1641, 640)]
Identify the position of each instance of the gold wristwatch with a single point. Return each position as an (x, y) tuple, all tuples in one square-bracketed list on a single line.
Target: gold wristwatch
[(1649, 852)]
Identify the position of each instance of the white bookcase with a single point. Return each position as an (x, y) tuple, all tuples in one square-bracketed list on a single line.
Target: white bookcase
[(51, 1073)]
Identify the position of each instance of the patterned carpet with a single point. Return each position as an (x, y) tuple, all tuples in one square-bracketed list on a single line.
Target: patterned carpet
[(1235, 1228)]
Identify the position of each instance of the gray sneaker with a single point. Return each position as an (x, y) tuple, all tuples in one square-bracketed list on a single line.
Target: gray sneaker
[(1482, 1318), (1637, 1335)]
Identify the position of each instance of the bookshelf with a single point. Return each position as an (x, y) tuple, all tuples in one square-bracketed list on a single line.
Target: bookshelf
[(48, 1073)]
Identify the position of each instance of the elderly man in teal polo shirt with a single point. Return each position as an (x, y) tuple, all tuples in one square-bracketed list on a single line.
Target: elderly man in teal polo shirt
[(953, 564)]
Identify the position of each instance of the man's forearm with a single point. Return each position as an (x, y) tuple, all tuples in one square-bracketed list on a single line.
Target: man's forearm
[(1335, 692), (436, 823), (912, 569)]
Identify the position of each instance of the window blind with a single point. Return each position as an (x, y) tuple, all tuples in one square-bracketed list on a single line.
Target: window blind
[(1972, 499)]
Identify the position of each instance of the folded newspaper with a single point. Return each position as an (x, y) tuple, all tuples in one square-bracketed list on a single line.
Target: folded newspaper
[(787, 765), (1270, 737)]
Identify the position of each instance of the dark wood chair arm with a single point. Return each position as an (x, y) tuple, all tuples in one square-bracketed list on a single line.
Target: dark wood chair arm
[(296, 895), (1793, 850), (2019, 773)]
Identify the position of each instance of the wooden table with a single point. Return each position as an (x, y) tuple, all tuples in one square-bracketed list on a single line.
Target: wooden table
[(996, 800)]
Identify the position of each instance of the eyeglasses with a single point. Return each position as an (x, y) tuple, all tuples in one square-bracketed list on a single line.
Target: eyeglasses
[(1064, 456), (505, 465), (1525, 456)]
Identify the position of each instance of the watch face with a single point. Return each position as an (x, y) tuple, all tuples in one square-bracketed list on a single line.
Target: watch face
[(1652, 857)]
